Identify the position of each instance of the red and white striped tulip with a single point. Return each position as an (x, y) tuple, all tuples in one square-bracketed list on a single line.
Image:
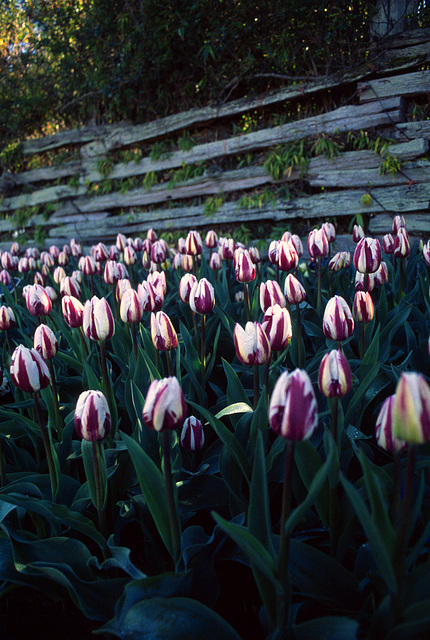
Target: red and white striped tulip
[(165, 407), (45, 342), (293, 409), (92, 416), (277, 326), (252, 343), (97, 320), (202, 297), (28, 370), (163, 334), (338, 323), (334, 377)]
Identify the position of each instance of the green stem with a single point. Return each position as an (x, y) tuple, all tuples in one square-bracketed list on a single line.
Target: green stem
[(333, 500), (283, 605), (196, 333), (107, 387), (362, 330), (101, 514), (83, 343), (256, 378), (299, 338), (247, 301), (58, 421), (175, 526), (134, 340), (203, 348), (169, 363), (47, 445), (319, 298)]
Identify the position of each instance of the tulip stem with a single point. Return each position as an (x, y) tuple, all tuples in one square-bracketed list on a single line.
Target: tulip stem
[(202, 347), (283, 608), (319, 299), (175, 526), (58, 421), (48, 446), (101, 514), (169, 363), (247, 301), (9, 344), (115, 302), (134, 340), (107, 386), (256, 377), (362, 329), (299, 338), (83, 343)]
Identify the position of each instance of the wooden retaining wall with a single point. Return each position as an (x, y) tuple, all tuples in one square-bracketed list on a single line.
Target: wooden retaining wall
[(388, 96)]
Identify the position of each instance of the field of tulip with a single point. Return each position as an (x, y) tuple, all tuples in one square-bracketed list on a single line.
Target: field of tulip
[(197, 443)]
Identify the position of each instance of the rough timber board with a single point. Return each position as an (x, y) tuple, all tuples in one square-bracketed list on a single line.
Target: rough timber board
[(417, 223), (408, 84)]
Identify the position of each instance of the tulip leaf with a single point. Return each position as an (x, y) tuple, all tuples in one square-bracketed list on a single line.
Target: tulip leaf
[(377, 543), (309, 462), (175, 618), (235, 390), (210, 362), (236, 407), (228, 438), (335, 628), (71, 362), (396, 318), (254, 549), (151, 482), (87, 457), (259, 523), (357, 399)]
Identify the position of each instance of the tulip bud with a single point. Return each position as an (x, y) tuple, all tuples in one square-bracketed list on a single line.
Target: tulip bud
[(45, 342), (8, 262), (73, 311), (131, 307), (294, 291), (186, 262), (130, 257), (97, 319), (317, 244), (151, 297), (121, 241), (388, 243), (271, 294), (288, 258), (402, 244), (70, 287), (51, 293), (165, 406), (5, 277), (277, 326), (92, 416), (138, 244), (88, 266), (273, 252), (158, 280), (151, 235), (380, 277), (338, 323), (384, 427), (7, 318), (340, 260), (39, 279), (364, 281), (211, 240), (185, 286), (58, 274), (411, 410), (182, 249), (335, 377), (357, 233), (158, 252), (111, 273), (426, 253), (215, 262), (23, 265), (363, 308), (398, 223), (76, 250), (202, 297), (330, 231), (252, 344), (121, 287), (227, 249), (293, 409), (28, 370), (163, 333), (367, 255), (255, 255), (15, 249), (63, 259), (37, 300), (193, 243), (192, 435), (244, 268), (298, 244), (100, 252)]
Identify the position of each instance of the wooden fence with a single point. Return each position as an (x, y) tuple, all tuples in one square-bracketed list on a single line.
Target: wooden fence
[(95, 195)]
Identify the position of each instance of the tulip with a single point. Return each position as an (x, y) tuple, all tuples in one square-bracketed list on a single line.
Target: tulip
[(39, 279), (158, 252), (388, 243), (28, 370), (411, 410), (38, 302), (295, 292), (317, 244), (363, 308), (97, 320), (271, 294), (357, 233), (187, 262), (273, 252), (88, 266), (51, 293), (92, 417), (335, 377), (402, 245), (59, 274), (398, 223), (211, 240), (158, 280), (330, 231), (151, 235), (338, 323), (63, 259), (297, 244), (365, 281), (45, 342), (293, 410), (121, 287), (202, 297), (367, 255), (15, 249), (5, 277), (340, 260), (8, 262), (255, 255), (130, 257), (244, 268), (192, 435), (186, 284), (163, 333), (76, 250), (227, 248), (138, 244), (182, 249), (215, 262), (381, 276), (277, 326), (111, 273), (7, 318), (47, 259), (252, 343), (120, 241), (151, 297), (100, 252), (384, 428), (131, 307), (165, 407), (72, 310), (426, 253), (23, 265), (193, 243), (69, 286), (288, 258)]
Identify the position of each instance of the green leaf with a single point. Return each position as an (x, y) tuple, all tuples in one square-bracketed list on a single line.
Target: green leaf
[(309, 462), (235, 390), (87, 457), (175, 618), (332, 627), (377, 544), (151, 482), (236, 407)]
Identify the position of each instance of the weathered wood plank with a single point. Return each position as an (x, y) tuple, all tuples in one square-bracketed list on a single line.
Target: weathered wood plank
[(350, 177), (41, 196), (406, 85), (412, 130), (417, 223)]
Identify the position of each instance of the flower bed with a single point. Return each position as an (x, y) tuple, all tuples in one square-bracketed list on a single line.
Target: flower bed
[(214, 445)]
